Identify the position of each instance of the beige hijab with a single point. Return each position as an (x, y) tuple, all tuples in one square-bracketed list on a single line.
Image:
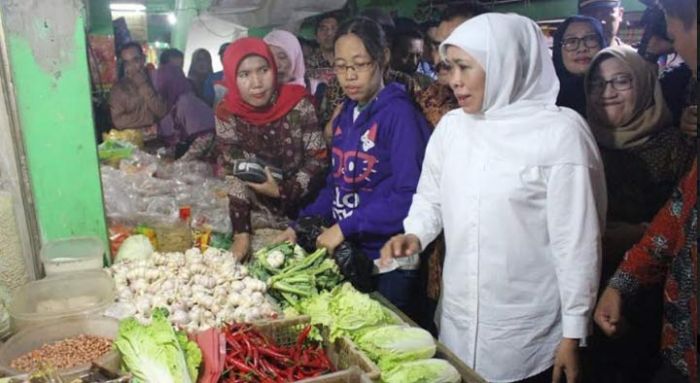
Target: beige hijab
[(650, 111)]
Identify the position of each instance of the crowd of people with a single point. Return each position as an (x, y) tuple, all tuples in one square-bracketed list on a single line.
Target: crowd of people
[(509, 194)]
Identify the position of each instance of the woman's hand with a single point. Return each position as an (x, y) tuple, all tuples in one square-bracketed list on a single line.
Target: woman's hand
[(330, 239), (566, 362), (608, 312), (269, 188), (402, 245), (241, 246), (288, 235)]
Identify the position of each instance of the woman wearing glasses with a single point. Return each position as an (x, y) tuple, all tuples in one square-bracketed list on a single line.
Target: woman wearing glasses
[(576, 41), (379, 139), (645, 157), (517, 185)]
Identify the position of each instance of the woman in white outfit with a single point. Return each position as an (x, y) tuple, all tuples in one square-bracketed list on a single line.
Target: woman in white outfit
[(517, 185)]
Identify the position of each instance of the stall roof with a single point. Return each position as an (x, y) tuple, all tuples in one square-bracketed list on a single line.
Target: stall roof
[(270, 13)]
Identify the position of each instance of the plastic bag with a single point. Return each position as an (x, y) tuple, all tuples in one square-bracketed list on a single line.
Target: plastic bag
[(355, 266), (308, 229), (215, 219), (113, 151), (139, 163), (119, 196), (189, 172)]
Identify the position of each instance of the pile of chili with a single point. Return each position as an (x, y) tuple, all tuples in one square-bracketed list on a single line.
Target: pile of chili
[(251, 357)]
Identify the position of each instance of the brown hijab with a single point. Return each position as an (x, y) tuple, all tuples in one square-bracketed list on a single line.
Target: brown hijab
[(650, 111)]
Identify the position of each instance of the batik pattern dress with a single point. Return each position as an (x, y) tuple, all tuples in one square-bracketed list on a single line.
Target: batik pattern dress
[(293, 144)]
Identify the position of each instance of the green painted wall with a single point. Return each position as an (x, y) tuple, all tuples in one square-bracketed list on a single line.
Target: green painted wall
[(52, 90)]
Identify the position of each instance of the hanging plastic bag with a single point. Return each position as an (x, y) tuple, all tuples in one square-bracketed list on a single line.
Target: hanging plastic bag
[(355, 266)]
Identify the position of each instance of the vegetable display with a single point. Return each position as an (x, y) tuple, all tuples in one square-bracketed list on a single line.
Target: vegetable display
[(156, 352), (346, 312), (422, 371), (250, 357), (293, 275), (200, 290), (390, 345)]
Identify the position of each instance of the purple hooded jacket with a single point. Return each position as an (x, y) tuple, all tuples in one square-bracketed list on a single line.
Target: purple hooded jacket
[(376, 163)]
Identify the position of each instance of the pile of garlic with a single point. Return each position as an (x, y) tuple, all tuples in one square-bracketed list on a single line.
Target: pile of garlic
[(200, 290)]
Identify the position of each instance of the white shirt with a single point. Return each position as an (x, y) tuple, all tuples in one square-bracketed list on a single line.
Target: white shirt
[(523, 242), (519, 190)]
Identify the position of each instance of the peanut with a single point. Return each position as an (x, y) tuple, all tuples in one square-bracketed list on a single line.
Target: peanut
[(64, 354)]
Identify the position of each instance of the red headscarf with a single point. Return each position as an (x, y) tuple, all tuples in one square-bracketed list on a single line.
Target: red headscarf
[(287, 95)]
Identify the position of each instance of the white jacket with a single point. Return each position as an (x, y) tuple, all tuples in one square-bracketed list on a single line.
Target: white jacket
[(520, 193)]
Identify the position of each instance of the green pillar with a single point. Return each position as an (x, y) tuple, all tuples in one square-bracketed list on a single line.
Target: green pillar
[(186, 11), (48, 65)]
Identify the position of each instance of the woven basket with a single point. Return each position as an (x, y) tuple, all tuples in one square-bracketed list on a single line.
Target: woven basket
[(343, 353)]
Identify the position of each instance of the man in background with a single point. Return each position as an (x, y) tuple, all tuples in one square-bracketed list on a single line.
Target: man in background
[(609, 13), (319, 64)]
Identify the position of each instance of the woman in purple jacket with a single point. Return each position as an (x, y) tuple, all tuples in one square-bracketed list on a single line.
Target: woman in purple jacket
[(379, 139)]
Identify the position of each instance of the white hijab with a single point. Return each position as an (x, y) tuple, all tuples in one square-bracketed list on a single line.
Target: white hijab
[(519, 116)]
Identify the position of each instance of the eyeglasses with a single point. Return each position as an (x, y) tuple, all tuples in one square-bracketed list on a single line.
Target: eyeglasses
[(340, 69), (573, 43), (619, 83)]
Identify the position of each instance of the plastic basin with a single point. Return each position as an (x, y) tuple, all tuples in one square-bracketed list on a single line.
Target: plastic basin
[(55, 299), (30, 339), (72, 254)]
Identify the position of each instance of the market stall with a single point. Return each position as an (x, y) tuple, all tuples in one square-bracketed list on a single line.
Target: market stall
[(200, 316)]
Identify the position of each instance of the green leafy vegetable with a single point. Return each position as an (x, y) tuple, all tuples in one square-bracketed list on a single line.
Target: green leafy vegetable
[(354, 311), (156, 352), (390, 345), (345, 311), (302, 277), (422, 371)]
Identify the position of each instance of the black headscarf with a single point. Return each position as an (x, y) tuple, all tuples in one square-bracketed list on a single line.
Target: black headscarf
[(571, 89)]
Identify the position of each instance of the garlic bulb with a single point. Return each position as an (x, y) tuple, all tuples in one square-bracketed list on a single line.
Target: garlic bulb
[(200, 290)]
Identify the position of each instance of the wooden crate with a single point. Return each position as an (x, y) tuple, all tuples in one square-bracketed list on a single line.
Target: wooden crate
[(343, 353), (351, 375)]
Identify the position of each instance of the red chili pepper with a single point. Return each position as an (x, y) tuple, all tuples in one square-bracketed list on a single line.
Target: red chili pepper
[(303, 335), (243, 367), (273, 354)]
